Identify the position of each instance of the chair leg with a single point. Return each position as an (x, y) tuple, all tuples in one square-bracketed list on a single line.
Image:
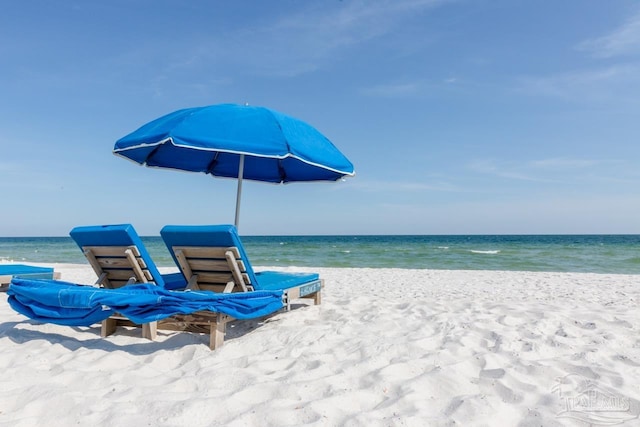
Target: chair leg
[(108, 327), (149, 330), (316, 297), (218, 330)]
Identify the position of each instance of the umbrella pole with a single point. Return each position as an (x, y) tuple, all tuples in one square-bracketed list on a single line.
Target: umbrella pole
[(239, 194)]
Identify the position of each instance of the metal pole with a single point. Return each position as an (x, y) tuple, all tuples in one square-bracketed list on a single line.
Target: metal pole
[(239, 194)]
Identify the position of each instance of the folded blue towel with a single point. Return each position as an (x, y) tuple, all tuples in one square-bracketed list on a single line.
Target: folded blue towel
[(71, 304)]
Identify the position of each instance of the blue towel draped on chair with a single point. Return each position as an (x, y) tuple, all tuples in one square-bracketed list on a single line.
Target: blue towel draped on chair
[(70, 304)]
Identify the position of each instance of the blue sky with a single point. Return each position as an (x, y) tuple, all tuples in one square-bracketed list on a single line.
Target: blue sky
[(461, 116)]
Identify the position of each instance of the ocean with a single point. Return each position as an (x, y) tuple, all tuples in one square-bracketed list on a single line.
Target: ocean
[(558, 253)]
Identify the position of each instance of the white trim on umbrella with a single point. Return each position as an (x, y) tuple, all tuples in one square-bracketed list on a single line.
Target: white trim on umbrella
[(117, 151)]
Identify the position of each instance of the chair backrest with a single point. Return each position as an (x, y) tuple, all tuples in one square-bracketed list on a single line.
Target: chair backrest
[(116, 254), (211, 255)]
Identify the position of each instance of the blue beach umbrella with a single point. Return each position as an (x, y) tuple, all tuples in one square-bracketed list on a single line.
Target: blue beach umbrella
[(236, 141)]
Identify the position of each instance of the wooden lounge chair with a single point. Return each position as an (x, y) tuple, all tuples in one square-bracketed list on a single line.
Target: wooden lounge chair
[(212, 257), (119, 258)]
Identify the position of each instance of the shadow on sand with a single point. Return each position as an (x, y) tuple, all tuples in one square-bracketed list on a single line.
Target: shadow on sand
[(89, 336)]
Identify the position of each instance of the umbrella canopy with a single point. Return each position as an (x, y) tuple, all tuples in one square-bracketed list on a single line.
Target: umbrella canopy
[(236, 141)]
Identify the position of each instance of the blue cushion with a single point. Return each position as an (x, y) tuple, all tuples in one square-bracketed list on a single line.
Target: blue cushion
[(174, 281), (224, 236), (124, 235), (272, 280), (227, 236), (27, 271)]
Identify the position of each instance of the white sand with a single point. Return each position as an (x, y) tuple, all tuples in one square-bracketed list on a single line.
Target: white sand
[(386, 348)]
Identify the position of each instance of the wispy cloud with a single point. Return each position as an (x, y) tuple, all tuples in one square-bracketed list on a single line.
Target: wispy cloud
[(301, 41), (410, 88), (506, 170), (351, 23), (598, 84), (398, 90), (376, 186), (624, 40), (563, 163), (307, 37), (558, 170), (304, 39), (614, 82)]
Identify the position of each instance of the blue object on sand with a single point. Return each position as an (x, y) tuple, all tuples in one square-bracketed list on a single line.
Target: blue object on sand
[(70, 304), (125, 235), (226, 236), (21, 270), (214, 255), (9, 271)]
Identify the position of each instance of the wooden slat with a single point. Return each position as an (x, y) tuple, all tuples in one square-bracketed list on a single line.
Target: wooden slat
[(205, 277), (135, 265), (192, 284), (113, 261), (212, 267), (206, 251), (245, 277), (119, 274), (219, 277), (114, 251), (126, 274), (237, 274), (102, 276), (141, 262), (183, 263), (119, 266), (110, 263), (199, 264), (219, 288), (122, 262)]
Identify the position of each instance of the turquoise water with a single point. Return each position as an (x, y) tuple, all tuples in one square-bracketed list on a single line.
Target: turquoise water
[(562, 253)]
